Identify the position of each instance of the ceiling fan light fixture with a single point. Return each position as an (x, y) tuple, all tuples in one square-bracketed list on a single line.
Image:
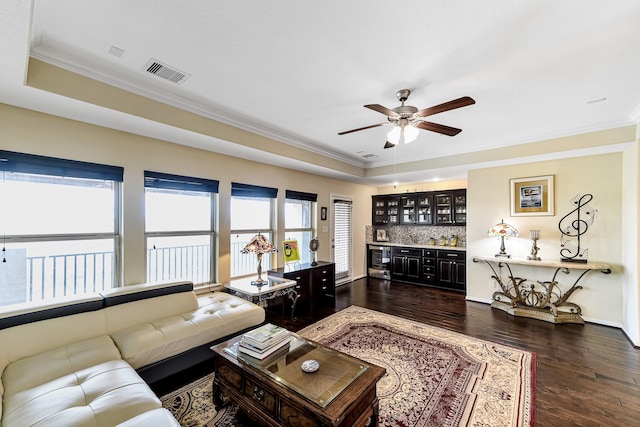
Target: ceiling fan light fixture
[(403, 134), (394, 135), (410, 133)]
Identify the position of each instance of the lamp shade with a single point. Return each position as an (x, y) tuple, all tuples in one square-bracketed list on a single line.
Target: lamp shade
[(502, 229), (410, 134), (403, 133), (258, 245)]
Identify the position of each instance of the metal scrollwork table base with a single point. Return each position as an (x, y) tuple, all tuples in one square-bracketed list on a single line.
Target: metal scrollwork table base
[(542, 300)]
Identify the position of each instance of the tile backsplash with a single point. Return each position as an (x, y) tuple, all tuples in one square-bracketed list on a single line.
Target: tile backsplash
[(418, 235)]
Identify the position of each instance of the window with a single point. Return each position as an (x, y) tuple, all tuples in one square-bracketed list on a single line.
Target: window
[(59, 225), (298, 220), (179, 218), (252, 212), (342, 238)]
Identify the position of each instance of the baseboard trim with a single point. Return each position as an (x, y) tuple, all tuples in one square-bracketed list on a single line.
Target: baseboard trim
[(586, 319)]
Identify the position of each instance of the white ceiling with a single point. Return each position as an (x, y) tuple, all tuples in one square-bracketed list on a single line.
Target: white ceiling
[(301, 71)]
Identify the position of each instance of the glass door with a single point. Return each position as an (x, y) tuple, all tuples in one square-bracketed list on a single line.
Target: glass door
[(443, 209), (425, 213), (342, 239)]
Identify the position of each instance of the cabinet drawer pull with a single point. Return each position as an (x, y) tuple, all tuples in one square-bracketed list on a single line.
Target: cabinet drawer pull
[(258, 394), (404, 251), (453, 255)]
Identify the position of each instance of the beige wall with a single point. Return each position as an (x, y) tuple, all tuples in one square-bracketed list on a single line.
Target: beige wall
[(630, 252), (488, 201), (31, 132)]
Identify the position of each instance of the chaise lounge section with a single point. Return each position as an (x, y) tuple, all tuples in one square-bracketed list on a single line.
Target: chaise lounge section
[(84, 361)]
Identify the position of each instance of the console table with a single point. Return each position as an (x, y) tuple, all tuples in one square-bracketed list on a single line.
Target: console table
[(540, 300)]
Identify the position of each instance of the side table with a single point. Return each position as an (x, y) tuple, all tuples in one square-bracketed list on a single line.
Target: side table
[(275, 287)]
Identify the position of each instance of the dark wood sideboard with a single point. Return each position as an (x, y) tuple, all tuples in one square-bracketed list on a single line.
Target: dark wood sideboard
[(316, 284)]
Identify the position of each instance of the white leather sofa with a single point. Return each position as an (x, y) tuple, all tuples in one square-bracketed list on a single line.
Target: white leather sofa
[(84, 361)]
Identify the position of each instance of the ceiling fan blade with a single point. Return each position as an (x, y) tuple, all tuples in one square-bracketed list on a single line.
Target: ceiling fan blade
[(451, 105), (435, 127), (384, 110), (363, 128), (389, 145)]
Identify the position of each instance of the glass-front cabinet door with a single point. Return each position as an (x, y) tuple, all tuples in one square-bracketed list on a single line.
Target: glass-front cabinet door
[(425, 209), (380, 216), (393, 211), (460, 208), (408, 210), (443, 209), (385, 210)]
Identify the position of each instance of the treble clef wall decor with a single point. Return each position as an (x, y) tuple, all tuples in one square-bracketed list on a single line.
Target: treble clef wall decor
[(573, 225)]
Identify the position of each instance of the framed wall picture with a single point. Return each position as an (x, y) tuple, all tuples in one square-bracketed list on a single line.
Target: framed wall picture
[(323, 213), (291, 251), (532, 196)]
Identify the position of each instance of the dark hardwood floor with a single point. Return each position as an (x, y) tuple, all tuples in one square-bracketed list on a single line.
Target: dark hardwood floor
[(587, 375)]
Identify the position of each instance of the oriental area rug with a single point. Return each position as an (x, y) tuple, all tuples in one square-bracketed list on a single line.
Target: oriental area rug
[(434, 377)]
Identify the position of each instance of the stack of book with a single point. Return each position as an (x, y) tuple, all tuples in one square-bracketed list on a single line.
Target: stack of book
[(264, 341)]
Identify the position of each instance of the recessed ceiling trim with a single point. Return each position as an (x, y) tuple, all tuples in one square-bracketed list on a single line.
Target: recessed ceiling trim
[(196, 108)]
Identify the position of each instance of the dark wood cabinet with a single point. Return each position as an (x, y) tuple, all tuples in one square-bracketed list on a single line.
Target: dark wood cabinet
[(429, 266), (407, 210), (386, 210), (440, 268), (316, 285), (406, 264), (452, 270), (451, 207), (424, 208)]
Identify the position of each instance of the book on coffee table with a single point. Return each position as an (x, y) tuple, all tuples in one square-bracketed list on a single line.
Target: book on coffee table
[(265, 353), (265, 336)]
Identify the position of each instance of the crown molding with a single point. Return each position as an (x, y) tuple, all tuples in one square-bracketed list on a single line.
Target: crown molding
[(194, 107)]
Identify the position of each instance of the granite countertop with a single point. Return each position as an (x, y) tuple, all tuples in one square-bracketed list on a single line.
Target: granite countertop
[(413, 245)]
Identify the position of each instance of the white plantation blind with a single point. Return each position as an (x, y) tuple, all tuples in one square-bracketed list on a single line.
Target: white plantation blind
[(342, 217)]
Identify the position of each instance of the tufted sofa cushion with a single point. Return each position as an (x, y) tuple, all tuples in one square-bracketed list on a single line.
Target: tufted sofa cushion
[(155, 418), (79, 384), (212, 318)]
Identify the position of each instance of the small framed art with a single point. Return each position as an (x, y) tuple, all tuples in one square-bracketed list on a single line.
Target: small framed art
[(532, 196)]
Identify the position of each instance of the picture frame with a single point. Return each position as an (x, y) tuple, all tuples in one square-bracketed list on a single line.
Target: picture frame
[(290, 250), (381, 235), (323, 213), (532, 196)]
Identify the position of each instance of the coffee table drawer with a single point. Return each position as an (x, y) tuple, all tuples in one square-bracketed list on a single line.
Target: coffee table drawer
[(294, 418), (260, 395), (231, 376)]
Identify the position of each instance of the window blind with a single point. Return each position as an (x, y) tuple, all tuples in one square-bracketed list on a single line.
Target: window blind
[(299, 195), (40, 165), (179, 182), (247, 190), (342, 216)]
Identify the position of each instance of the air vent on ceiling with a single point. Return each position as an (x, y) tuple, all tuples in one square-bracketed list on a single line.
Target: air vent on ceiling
[(166, 72), (369, 156)]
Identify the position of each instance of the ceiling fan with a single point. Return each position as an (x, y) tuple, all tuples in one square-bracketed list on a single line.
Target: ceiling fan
[(408, 119)]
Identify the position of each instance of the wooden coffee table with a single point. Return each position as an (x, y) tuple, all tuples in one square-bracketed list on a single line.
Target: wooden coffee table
[(342, 392)]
